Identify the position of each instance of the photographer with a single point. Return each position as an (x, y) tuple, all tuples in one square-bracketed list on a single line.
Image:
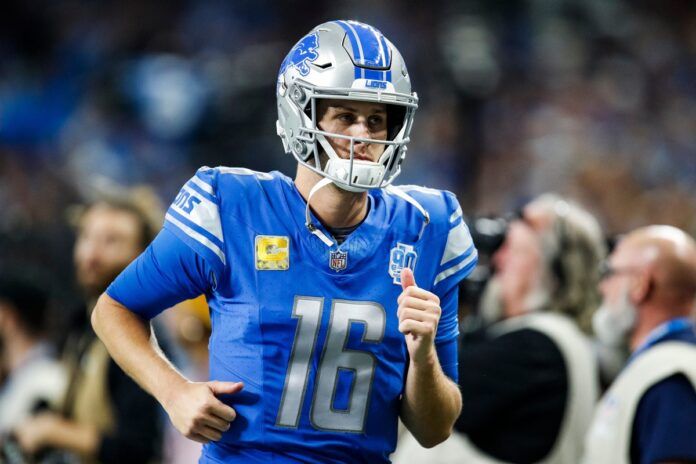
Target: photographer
[(530, 381)]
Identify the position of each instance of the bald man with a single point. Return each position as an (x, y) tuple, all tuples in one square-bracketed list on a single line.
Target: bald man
[(648, 415)]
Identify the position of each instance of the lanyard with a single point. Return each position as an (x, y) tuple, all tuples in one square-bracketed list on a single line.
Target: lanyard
[(663, 330)]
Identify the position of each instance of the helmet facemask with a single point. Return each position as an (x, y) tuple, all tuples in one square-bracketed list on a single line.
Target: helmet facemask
[(298, 95), (351, 173)]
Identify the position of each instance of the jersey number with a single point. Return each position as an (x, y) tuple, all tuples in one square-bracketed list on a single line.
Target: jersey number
[(334, 359)]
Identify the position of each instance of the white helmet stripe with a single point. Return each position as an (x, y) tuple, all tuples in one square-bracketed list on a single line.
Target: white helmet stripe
[(382, 55)]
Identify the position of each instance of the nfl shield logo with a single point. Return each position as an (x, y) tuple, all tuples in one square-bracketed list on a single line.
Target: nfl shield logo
[(338, 260)]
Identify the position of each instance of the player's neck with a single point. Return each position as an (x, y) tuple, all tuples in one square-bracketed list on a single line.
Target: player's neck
[(333, 206)]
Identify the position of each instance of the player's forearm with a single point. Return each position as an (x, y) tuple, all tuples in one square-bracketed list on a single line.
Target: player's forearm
[(129, 341), (431, 403)]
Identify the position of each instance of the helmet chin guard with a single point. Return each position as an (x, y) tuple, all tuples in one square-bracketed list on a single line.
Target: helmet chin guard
[(351, 174), (351, 61)]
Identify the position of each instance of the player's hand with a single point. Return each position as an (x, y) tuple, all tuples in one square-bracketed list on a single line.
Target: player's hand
[(419, 315), (198, 414)]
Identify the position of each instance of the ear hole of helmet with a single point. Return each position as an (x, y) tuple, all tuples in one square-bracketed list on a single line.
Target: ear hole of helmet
[(299, 96), (396, 115)]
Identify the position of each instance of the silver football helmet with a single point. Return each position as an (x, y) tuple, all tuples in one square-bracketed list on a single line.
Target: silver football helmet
[(351, 61)]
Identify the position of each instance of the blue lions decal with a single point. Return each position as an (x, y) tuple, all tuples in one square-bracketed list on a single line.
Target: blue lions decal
[(303, 53)]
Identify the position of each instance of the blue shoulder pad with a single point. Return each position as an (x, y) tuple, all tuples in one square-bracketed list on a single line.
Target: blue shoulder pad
[(459, 256), (194, 217)]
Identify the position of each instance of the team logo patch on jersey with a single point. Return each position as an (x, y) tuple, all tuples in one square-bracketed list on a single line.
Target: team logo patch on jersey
[(272, 253), (338, 260), (401, 256)]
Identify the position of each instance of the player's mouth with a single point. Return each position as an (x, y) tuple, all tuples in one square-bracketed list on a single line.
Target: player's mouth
[(362, 157)]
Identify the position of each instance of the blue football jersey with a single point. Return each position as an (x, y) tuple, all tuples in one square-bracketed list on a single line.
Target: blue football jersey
[(311, 330)]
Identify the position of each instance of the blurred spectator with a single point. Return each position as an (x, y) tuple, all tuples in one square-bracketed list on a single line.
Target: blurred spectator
[(649, 414), (32, 377), (105, 416), (189, 323), (529, 382)]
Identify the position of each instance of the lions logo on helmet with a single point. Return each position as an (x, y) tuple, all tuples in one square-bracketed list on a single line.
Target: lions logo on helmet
[(352, 61), (301, 54)]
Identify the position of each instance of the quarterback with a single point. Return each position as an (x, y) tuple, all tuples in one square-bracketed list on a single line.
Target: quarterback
[(333, 295)]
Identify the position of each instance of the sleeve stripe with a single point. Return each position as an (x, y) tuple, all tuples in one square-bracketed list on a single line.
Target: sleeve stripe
[(204, 213), (458, 242), (458, 259), (193, 185), (197, 228), (456, 215), (206, 187), (469, 262), (198, 237)]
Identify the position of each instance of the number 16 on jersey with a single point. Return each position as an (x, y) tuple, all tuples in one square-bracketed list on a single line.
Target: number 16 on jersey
[(335, 358)]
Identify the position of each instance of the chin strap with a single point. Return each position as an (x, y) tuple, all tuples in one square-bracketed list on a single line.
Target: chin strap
[(400, 193), (308, 220)]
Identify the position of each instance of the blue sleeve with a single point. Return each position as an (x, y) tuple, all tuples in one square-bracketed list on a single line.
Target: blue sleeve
[(458, 259), (459, 255), (194, 217), (166, 273), (448, 334), (665, 421)]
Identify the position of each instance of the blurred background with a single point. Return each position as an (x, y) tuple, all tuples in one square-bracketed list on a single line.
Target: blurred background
[(592, 99)]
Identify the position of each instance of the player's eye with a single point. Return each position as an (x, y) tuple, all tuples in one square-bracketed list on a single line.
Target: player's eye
[(376, 121), (347, 118)]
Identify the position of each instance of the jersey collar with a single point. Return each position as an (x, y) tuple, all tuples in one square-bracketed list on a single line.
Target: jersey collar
[(361, 244)]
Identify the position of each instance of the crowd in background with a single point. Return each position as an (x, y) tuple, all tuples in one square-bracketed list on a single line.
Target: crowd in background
[(593, 99)]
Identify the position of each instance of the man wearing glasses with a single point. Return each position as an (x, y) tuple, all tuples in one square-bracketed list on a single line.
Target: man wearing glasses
[(648, 415)]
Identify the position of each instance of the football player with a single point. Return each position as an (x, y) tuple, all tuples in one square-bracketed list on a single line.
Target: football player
[(333, 296)]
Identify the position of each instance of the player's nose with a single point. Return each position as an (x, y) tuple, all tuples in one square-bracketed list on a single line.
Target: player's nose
[(360, 130)]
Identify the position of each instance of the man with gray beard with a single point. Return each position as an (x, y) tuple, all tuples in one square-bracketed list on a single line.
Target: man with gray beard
[(648, 415)]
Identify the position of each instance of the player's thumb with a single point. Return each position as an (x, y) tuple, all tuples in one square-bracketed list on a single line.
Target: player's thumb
[(225, 388), (407, 278)]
